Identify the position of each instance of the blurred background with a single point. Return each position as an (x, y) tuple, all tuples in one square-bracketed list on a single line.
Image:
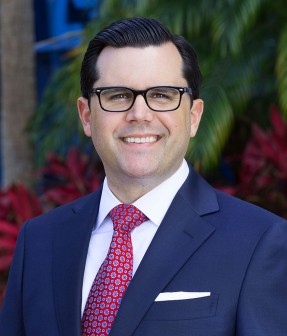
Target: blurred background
[(241, 146)]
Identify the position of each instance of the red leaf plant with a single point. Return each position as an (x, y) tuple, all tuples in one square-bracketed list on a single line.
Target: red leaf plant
[(17, 204), (64, 180), (263, 170)]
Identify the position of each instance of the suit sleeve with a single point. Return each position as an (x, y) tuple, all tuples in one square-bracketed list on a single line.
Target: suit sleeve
[(262, 309), (11, 318)]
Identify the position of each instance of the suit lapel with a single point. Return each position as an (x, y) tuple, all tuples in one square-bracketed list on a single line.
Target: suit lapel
[(70, 248), (180, 235)]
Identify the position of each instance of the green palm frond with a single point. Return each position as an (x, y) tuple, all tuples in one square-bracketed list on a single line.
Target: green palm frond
[(226, 92), (232, 19), (215, 126), (281, 71), (53, 126)]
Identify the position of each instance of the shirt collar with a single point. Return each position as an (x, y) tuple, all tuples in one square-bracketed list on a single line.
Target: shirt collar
[(153, 204)]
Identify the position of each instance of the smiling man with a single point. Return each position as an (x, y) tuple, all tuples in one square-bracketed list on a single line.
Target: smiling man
[(141, 139), (156, 250)]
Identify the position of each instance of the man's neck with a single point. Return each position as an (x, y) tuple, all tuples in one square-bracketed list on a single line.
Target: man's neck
[(128, 190)]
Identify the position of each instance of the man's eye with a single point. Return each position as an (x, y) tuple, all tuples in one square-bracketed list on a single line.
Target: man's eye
[(160, 95), (118, 96)]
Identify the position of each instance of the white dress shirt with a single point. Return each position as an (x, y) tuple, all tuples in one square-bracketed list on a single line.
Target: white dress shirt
[(154, 205)]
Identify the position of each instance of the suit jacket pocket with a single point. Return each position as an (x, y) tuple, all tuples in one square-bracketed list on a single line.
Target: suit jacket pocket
[(183, 309)]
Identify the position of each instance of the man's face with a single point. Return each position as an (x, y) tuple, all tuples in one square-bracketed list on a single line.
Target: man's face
[(164, 136)]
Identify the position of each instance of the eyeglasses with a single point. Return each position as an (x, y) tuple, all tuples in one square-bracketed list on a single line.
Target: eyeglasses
[(158, 98)]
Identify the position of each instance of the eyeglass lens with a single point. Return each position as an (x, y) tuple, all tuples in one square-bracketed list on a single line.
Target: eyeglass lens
[(159, 99)]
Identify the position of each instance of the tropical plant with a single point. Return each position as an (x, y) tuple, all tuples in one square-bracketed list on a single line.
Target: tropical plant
[(262, 176), (242, 47), (63, 180), (17, 204)]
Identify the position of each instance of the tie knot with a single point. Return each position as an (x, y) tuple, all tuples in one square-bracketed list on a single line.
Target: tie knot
[(126, 217)]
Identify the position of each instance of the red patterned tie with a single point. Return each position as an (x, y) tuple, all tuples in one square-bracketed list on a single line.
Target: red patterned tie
[(114, 275)]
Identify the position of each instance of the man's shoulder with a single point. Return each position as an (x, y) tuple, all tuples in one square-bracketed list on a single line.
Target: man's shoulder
[(246, 215), (226, 211)]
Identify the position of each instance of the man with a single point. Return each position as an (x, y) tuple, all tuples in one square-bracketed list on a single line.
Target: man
[(200, 262)]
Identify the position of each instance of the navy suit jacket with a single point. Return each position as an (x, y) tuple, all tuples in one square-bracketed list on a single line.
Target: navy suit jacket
[(207, 242)]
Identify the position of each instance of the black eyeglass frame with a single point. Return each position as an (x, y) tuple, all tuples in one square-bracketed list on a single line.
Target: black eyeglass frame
[(180, 89)]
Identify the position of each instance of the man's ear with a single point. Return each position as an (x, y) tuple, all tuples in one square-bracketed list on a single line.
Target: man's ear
[(196, 113), (85, 115)]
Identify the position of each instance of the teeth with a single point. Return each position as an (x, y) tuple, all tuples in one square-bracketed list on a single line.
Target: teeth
[(141, 140)]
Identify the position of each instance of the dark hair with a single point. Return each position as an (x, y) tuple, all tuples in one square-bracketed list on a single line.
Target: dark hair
[(138, 32)]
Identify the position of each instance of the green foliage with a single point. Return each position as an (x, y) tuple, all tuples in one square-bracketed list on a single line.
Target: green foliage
[(281, 70), (232, 20), (242, 48), (55, 124)]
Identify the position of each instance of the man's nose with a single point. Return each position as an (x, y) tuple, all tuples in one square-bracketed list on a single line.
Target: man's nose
[(140, 110)]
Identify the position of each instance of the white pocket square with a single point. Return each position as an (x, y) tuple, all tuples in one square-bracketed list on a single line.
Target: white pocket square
[(171, 296)]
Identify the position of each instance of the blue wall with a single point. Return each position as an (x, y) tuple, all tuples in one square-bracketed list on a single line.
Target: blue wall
[(53, 20)]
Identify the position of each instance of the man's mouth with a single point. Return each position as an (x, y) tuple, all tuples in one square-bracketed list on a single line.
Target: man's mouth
[(140, 140)]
